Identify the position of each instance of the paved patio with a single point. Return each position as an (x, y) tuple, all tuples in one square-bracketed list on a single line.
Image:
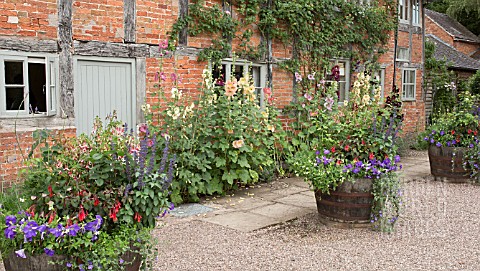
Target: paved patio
[(277, 202)]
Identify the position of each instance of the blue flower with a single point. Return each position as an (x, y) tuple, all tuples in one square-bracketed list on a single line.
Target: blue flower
[(49, 252), (30, 231), (172, 206), (432, 141), (58, 231), (69, 265), (442, 133), (356, 170), (121, 261), (438, 144), (359, 164)]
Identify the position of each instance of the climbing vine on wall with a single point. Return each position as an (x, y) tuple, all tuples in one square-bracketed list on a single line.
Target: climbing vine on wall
[(316, 30)]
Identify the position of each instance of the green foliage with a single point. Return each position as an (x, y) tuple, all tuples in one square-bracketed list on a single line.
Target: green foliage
[(474, 83), (222, 140), (457, 128), (317, 30), (441, 81), (387, 194)]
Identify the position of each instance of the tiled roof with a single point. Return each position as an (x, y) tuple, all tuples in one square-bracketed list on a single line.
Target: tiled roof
[(452, 27), (454, 58)]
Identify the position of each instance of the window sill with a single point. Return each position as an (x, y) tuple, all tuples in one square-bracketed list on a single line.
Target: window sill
[(29, 116), (409, 100)]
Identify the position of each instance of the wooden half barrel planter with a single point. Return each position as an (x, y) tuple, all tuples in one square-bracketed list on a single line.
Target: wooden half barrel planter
[(349, 205), (446, 164), (40, 262)]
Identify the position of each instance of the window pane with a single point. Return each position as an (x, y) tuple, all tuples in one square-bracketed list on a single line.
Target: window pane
[(256, 76), (13, 73), (238, 72), (412, 77), (37, 87), (218, 75), (14, 98), (341, 91)]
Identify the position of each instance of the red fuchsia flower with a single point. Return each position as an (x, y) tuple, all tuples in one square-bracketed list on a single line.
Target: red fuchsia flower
[(347, 148), (453, 132), (332, 149), (82, 215), (51, 217), (469, 131), (50, 190), (114, 211), (339, 162), (96, 201), (371, 156), (475, 133), (137, 217)]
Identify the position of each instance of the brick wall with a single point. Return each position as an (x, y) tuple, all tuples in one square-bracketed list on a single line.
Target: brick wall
[(14, 148), (466, 47), (434, 29), (29, 18), (98, 20)]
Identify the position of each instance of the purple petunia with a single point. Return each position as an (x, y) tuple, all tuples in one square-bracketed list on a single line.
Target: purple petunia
[(73, 230), (438, 144), (10, 232), (10, 220), (49, 252), (58, 231)]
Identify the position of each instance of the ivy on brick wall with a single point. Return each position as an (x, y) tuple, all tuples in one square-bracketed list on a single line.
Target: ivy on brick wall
[(316, 30)]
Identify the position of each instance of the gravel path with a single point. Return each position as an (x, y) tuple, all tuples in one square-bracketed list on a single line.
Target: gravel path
[(439, 230)]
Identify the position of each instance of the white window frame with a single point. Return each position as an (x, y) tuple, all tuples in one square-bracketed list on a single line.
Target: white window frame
[(416, 19), (404, 11), (405, 49), (346, 74), (228, 62), (405, 95), (51, 85)]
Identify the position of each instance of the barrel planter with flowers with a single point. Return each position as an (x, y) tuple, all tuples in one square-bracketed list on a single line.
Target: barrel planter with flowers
[(350, 202), (451, 138), (446, 164), (350, 159)]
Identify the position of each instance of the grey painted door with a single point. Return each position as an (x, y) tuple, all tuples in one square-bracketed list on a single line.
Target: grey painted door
[(102, 86)]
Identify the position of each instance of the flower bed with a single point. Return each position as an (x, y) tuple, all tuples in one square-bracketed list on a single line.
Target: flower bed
[(91, 199)]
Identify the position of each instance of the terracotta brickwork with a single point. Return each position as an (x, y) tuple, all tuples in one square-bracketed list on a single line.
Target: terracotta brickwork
[(466, 47), (100, 20), (29, 18), (154, 19)]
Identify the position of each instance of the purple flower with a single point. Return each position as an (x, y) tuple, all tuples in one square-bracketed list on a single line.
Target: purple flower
[(80, 267), (10, 232), (442, 133), (438, 144), (49, 252), (94, 237), (21, 253), (426, 138), (470, 146), (69, 265), (356, 170), (121, 261), (326, 152), (432, 141), (397, 158), (359, 164), (10, 220), (449, 144), (29, 231), (58, 231), (172, 206), (73, 230), (317, 152), (94, 225)]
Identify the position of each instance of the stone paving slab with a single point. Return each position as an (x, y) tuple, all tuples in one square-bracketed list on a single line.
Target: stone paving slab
[(282, 211), (242, 221)]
